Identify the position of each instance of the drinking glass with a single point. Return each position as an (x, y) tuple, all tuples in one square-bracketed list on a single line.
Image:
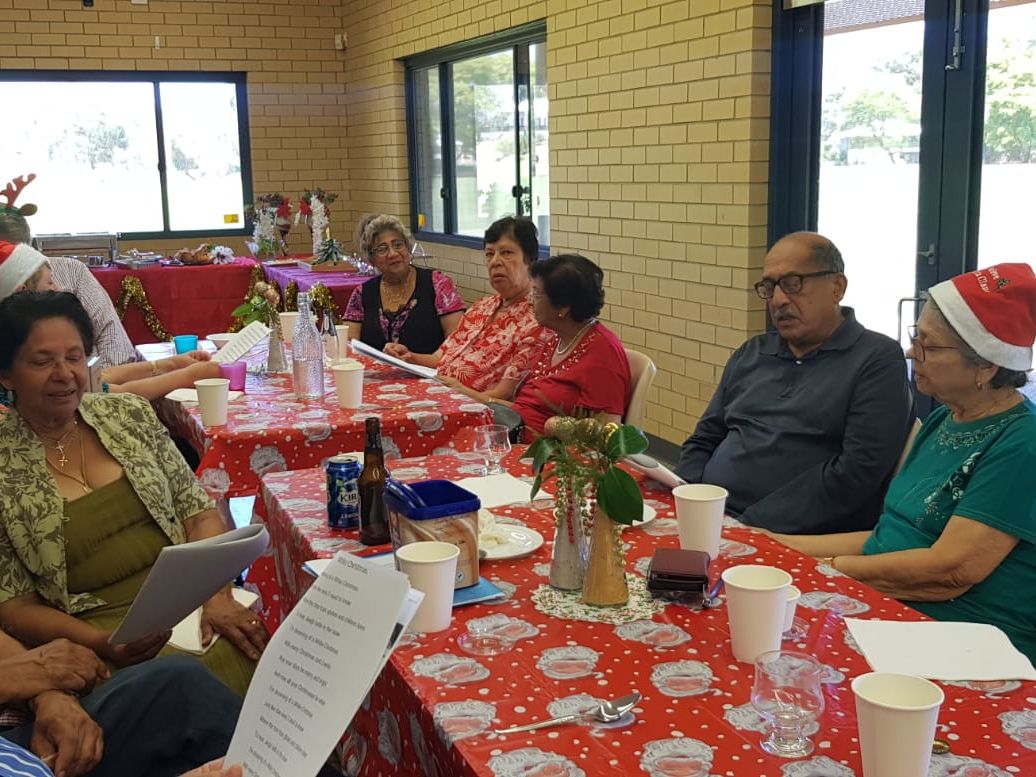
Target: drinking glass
[(493, 443), (788, 694)]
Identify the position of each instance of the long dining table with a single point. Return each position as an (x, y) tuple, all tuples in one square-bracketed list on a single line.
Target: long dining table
[(269, 430), (434, 708)]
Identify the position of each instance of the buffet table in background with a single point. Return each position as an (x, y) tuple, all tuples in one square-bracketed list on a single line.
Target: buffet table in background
[(158, 302), (433, 709), (293, 279)]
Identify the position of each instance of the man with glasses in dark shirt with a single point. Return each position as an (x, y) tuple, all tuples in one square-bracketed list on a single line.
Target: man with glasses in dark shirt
[(808, 420)]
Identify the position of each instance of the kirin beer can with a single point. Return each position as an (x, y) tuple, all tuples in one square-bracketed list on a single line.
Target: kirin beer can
[(343, 497)]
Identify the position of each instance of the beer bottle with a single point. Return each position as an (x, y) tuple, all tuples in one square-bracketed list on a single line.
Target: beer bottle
[(374, 528)]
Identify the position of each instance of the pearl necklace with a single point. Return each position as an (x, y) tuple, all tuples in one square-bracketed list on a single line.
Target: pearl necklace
[(560, 349)]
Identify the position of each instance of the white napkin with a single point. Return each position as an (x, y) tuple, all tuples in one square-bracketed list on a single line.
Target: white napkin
[(496, 490), (191, 395), (940, 650), (187, 633)]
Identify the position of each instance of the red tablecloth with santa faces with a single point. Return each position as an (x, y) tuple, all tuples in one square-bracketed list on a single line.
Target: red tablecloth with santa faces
[(433, 709), (269, 430)]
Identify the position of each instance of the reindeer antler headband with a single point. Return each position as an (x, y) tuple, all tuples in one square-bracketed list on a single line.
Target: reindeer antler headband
[(11, 192)]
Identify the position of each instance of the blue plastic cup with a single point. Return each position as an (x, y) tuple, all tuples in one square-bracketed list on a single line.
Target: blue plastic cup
[(185, 343)]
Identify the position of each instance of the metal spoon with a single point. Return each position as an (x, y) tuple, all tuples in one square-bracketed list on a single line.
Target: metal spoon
[(606, 712)]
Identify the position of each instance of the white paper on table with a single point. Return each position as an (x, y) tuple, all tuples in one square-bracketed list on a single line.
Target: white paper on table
[(241, 343), (496, 490), (191, 395), (187, 633), (318, 667), (940, 650), (414, 369), (184, 576)]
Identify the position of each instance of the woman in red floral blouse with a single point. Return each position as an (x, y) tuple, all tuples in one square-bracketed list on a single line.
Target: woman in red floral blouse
[(498, 337)]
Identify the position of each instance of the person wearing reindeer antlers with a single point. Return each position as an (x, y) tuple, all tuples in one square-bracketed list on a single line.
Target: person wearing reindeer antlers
[(113, 345)]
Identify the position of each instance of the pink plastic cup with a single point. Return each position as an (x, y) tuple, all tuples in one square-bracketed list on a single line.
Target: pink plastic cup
[(234, 372)]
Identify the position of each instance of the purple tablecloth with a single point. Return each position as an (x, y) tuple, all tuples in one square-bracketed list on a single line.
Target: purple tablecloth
[(340, 284)]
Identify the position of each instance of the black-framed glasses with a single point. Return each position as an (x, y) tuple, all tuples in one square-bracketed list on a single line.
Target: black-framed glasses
[(790, 284), (919, 349), (384, 248)]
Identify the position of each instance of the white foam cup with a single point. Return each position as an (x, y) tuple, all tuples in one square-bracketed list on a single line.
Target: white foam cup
[(699, 516), (757, 599), (432, 569), (348, 374), (212, 400), (794, 594), (897, 715), (288, 320)]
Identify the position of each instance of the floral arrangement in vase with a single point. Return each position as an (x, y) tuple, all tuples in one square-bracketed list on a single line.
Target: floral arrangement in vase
[(593, 498), (271, 217), (261, 305), (313, 209)]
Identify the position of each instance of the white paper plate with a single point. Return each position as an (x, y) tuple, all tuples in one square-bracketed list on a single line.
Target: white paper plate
[(521, 541), (649, 516)]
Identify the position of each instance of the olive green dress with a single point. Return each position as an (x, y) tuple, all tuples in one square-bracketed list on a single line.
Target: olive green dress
[(110, 544)]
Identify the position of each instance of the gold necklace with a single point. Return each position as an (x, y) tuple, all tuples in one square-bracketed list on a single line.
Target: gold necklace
[(559, 349), (81, 479), (395, 300), (60, 443)]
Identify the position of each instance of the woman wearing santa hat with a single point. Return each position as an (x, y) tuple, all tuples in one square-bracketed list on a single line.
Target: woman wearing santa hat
[(957, 535)]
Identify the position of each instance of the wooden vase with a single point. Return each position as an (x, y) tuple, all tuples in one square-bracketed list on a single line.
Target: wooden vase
[(605, 581)]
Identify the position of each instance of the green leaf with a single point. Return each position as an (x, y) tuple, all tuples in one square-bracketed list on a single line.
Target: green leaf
[(536, 486), (620, 497), (626, 440), (242, 310), (545, 447)]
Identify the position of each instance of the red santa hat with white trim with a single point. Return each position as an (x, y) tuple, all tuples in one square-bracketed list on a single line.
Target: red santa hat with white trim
[(994, 311), (18, 263)]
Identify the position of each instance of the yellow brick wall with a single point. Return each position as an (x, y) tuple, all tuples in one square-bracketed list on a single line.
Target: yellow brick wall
[(659, 127), (296, 78)]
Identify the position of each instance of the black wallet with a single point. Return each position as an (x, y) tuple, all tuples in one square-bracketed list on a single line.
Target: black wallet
[(677, 573)]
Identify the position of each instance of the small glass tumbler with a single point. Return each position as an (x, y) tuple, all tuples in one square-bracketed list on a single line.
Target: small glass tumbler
[(788, 694)]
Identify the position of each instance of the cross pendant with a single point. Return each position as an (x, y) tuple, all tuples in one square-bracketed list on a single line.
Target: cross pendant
[(64, 459)]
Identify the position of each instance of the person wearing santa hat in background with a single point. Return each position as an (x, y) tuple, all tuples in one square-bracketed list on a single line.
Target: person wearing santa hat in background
[(23, 268), (957, 535)]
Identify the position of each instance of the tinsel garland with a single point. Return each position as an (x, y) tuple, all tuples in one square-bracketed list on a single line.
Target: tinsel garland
[(321, 301), (132, 290), (291, 297)]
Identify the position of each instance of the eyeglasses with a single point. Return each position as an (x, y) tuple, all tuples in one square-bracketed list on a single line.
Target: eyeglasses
[(383, 249), (918, 349), (790, 284)]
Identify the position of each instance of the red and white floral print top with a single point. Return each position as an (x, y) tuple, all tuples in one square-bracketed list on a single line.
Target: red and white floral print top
[(485, 349)]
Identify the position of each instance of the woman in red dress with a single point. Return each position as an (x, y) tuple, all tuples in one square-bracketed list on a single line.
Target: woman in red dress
[(583, 366)]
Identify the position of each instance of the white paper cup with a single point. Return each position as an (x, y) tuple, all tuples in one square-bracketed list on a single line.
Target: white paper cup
[(220, 339), (342, 342), (699, 516), (432, 569), (794, 594), (288, 321), (212, 400), (757, 598), (348, 374), (897, 714)]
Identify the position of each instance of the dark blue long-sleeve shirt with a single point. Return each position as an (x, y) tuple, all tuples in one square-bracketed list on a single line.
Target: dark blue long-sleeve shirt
[(805, 445)]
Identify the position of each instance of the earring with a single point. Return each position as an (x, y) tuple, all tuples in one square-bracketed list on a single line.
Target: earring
[(978, 385), (561, 315)]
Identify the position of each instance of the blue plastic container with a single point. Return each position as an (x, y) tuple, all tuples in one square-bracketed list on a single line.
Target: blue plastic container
[(450, 515)]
